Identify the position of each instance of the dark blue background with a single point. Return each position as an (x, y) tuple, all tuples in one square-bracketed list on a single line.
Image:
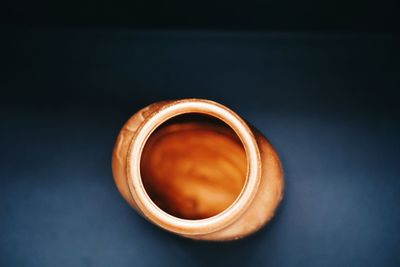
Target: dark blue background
[(328, 102)]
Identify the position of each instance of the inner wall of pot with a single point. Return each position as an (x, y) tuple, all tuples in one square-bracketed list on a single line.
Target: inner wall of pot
[(193, 166)]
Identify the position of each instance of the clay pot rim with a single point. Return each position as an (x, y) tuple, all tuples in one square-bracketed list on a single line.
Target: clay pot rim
[(184, 226)]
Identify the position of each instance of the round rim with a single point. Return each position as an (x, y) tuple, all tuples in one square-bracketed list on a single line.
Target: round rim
[(184, 226)]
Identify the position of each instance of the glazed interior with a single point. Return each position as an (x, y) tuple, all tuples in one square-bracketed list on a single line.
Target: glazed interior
[(193, 166)]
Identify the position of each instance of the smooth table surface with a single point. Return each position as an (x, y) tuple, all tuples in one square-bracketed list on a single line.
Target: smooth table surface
[(329, 104)]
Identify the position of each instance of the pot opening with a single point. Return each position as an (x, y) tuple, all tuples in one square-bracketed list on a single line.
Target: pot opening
[(193, 166)]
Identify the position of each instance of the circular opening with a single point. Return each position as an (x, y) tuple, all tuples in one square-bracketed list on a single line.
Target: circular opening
[(193, 166)]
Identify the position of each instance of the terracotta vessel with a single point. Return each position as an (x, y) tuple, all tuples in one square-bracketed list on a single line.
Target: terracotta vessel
[(195, 168)]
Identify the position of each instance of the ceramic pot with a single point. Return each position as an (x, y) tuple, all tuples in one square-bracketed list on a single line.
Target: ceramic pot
[(197, 169)]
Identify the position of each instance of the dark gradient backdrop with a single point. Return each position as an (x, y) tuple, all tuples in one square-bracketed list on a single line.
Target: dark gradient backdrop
[(328, 102)]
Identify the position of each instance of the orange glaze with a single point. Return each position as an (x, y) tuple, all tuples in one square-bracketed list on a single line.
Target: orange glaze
[(193, 170)]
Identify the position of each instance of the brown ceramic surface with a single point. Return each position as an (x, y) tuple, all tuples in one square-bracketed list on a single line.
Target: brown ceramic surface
[(195, 168)]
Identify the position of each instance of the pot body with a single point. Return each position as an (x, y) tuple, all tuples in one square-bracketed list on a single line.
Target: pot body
[(256, 203)]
